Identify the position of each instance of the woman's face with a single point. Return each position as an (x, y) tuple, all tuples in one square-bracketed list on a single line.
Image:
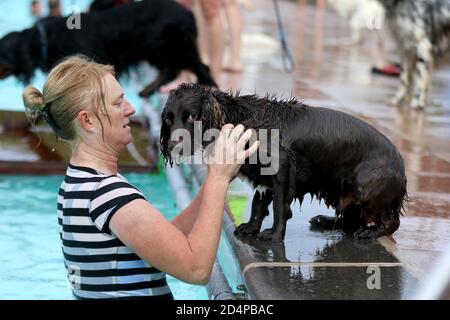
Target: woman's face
[(117, 133)]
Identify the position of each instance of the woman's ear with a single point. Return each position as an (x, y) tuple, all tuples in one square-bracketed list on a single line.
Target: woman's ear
[(84, 121), (212, 114)]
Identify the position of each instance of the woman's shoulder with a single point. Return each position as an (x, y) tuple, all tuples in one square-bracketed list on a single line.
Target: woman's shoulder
[(96, 181), (116, 185), (78, 171)]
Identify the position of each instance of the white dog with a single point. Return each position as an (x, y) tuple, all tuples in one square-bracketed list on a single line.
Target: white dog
[(361, 14), (421, 29)]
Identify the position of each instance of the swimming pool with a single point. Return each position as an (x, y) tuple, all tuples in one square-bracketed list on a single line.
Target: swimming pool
[(31, 261)]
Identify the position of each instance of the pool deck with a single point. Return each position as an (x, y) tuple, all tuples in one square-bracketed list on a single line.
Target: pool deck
[(25, 152), (309, 264)]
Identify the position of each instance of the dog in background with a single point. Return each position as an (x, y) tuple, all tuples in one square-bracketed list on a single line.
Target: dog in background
[(329, 154), (98, 5), (360, 14), (421, 29), (160, 32)]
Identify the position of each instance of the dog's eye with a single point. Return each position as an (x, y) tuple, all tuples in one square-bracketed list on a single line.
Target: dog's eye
[(192, 117)]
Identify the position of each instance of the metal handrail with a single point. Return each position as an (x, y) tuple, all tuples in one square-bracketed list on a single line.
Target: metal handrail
[(436, 284)]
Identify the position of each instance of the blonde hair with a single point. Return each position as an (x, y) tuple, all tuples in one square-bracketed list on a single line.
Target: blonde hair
[(75, 84)]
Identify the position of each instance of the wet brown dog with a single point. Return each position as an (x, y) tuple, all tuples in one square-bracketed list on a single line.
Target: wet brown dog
[(326, 153)]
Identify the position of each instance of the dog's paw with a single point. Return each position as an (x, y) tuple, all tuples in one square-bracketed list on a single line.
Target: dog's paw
[(417, 105), (270, 235), (144, 94), (322, 222), (147, 91), (246, 228), (368, 233)]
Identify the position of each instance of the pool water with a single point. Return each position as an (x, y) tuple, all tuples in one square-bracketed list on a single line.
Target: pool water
[(15, 16), (31, 261)]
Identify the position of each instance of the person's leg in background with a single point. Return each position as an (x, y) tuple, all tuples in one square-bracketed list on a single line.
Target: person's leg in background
[(214, 36), (184, 75), (234, 19), (210, 39)]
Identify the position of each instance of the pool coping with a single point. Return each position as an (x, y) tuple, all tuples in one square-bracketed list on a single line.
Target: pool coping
[(255, 271)]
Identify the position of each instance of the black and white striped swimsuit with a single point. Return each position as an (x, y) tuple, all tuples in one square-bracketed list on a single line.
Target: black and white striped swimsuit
[(98, 264)]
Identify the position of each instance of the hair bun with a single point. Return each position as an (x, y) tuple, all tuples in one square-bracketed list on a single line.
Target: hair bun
[(33, 99)]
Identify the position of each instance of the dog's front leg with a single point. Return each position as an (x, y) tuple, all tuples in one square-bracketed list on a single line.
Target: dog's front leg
[(405, 80), (163, 78), (283, 195), (260, 204), (422, 74), (203, 74), (388, 225)]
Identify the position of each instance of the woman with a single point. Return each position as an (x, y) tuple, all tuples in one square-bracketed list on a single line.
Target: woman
[(115, 243)]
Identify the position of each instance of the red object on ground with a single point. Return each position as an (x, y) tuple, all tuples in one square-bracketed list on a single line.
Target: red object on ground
[(388, 70)]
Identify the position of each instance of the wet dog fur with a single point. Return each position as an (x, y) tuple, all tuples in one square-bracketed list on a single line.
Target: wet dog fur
[(329, 154)]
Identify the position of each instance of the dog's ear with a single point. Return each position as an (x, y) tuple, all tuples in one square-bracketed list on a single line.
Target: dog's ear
[(164, 139), (212, 112)]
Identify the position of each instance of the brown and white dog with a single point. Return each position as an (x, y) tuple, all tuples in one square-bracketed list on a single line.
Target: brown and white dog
[(421, 29)]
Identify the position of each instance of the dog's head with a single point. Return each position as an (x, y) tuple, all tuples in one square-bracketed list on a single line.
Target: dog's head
[(16, 57), (190, 110)]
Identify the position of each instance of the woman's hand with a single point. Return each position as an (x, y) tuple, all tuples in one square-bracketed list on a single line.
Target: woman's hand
[(229, 152)]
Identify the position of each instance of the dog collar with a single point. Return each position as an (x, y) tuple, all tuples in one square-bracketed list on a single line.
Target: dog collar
[(44, 44)]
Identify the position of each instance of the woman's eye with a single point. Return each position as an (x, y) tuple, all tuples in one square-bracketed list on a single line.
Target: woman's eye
[(192, 117)]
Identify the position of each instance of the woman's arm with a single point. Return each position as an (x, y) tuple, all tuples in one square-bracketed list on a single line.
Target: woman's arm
[(155, 239), (185, 219)]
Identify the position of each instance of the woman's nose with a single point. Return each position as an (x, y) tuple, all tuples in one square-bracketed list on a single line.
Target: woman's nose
[(129, 109)]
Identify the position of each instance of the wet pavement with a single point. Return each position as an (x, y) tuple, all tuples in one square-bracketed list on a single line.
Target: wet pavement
[(339, 76)]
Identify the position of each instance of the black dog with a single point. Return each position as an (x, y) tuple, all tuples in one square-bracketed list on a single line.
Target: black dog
[(161, 32), (326, 153), (98, 5)]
